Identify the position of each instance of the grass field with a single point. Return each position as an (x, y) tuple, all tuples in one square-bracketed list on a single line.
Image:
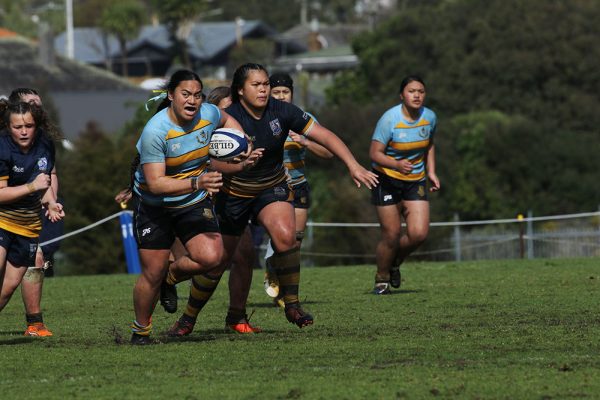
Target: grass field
[(474, 330)]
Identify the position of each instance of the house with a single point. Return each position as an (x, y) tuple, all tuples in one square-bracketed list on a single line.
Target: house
[(208, 45), (76, 93), (327, 48), (327, 52)]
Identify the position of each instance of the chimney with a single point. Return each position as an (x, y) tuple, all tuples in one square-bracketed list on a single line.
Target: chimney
[(314, 43)]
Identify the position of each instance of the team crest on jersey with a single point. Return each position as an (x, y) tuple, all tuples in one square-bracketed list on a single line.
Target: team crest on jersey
[(42, 164), (423, 132), (208, 214), (275, 127), (202, 137)]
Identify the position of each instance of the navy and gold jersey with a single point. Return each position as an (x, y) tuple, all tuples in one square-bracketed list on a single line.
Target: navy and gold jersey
[(269, 132), (22, 216), (293, 159), (183, 151), (405, 140)]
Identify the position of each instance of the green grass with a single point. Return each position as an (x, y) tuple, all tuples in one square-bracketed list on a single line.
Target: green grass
[(474, 330)]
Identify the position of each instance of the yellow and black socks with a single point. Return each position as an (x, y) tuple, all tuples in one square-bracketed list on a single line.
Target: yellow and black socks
[(287, 268), (203, 287), (141, 330)]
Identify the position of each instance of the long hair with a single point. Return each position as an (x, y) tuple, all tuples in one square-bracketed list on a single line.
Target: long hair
[(40, 117), (177, 77), (239, 78)]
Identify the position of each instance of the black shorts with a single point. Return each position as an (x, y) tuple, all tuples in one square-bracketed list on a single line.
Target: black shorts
[(20, 250), (392, 191), (235, 212), (301, 195), (157, 227)]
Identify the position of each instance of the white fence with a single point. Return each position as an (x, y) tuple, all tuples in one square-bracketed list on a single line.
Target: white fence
[(558, 236)]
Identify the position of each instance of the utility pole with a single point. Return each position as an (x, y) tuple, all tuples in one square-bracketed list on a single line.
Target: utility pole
[(70, 36), (303, 12)]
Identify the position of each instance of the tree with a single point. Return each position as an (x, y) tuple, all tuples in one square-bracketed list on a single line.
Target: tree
[(124, 19), (516, 88), (179, 16), (89, 178), (250, 51), (13, 17)]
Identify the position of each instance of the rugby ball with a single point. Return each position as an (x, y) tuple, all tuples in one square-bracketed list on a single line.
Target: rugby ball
[(226, 144)]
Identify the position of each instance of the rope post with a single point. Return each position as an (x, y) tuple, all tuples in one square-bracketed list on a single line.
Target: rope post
[(530, 254), (129, 245), (457, 255), (521, 238)]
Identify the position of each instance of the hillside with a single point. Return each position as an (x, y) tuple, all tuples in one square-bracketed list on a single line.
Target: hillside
[(21, 66)]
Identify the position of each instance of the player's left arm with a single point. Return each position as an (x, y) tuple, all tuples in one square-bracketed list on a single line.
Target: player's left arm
[(334, 144), (430, 166)]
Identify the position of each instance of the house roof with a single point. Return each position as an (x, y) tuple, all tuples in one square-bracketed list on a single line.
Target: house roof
[(6, 33), (206, 40), (333, 35)]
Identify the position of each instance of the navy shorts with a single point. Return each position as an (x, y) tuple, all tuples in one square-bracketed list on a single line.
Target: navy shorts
[(235, 212), (392, 191), (157, 227), (301, 195), (20, 250)]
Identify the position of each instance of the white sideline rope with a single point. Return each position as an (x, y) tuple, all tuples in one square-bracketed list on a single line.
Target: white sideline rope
[(85, 228)]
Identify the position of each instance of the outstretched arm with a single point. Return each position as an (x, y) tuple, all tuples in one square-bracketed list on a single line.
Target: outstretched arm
[(333, 143)]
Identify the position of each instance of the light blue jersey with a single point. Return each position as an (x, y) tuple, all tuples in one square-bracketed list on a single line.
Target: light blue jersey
[(184, 151), (405, 140)]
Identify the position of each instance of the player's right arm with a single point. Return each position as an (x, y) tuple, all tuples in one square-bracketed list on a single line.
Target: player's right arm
[(153, 150), (9, 194), (379, 143)]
